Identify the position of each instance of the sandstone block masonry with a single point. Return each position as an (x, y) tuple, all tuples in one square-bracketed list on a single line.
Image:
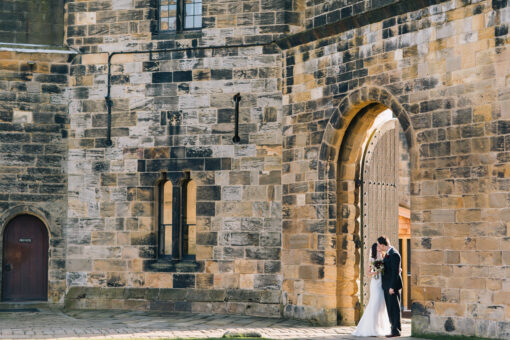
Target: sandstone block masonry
[(174, 111), (112, 214), (276, 229), (443, 71), (32, 22), (33, 148)]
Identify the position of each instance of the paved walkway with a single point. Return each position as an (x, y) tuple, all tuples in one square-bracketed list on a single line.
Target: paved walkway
[(45, 323)]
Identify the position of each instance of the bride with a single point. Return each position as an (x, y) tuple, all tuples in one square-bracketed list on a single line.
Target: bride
[(375, 321)]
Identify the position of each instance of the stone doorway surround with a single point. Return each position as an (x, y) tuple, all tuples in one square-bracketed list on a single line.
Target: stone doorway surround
[(320, 233), (339, 161)]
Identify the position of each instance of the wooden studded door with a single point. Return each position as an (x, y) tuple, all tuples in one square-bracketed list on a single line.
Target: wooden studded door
[(379, 194), (25, 260)]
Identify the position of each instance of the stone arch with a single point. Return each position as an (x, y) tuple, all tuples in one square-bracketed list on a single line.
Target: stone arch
[(10, 214), (350, 107), (339, 162)]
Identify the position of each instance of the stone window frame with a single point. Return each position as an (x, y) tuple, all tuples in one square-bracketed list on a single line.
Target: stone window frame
[(180, 209), (181, 16)]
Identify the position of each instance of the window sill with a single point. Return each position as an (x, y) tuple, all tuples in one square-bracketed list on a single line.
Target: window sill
[(174, 266)]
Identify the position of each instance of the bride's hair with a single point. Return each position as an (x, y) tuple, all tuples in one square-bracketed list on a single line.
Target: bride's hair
[(374, 251)]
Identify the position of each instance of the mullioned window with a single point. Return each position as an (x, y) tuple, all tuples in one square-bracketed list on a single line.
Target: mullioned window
[(177, 217)]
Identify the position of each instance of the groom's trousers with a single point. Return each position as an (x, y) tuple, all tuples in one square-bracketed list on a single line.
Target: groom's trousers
[(393, 307)]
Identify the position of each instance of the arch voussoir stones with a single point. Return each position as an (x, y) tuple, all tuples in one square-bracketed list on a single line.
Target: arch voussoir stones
[(350, 106)]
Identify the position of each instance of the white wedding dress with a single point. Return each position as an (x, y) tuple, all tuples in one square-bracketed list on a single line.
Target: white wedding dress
[(375, 320)]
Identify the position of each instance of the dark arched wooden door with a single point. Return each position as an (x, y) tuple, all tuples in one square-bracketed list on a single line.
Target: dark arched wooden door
[(25, 260)]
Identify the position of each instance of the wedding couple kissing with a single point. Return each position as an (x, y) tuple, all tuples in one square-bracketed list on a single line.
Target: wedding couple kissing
[(382, 314)]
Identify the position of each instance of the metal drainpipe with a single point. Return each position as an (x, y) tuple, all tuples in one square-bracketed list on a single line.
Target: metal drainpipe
[(108, 99)]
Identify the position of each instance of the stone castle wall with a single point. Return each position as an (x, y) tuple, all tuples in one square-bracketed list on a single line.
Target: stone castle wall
[(443, 70), (404, 172), (33, 148), (321, 12), (115, 25), (32, 22), (276, 213), (112, 211)]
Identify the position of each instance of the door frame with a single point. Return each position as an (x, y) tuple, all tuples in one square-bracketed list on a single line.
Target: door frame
[(4, 222)]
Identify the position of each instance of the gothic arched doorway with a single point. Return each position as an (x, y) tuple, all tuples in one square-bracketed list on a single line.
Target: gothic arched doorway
[(384, 175), (25, 260), (340, 160)]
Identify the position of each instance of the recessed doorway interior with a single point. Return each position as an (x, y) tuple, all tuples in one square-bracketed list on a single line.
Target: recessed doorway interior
[(384, 199), (373, 180)]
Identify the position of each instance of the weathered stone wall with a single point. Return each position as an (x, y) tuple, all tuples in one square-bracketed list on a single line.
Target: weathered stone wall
[(322, 12), (112, 210), (444, 70), (32, 22), (404, 171), (113, 25), (33, 148), (276, 225)]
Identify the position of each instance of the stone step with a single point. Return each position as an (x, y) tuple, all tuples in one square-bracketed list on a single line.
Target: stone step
[(27, 306)]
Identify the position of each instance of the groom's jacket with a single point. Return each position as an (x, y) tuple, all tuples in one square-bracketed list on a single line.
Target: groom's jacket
[(391, 277)]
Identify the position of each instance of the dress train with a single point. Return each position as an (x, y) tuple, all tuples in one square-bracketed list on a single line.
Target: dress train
[(375, 320)]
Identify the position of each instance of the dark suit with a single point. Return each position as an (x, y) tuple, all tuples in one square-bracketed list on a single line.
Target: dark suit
[(391, 278)]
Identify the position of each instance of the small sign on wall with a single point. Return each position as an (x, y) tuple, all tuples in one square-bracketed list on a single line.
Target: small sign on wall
[(25, 240)]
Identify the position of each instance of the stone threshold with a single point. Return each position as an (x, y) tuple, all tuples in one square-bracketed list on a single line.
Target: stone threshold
[(6, 306)]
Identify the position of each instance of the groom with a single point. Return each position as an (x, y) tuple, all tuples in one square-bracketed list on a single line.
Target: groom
[(391, 284)]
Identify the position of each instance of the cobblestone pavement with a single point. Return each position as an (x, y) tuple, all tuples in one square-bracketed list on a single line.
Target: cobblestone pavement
[(46, 323)]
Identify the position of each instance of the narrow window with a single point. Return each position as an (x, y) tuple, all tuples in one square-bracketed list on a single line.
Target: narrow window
[(190, 223), (192, 14), (179, 15), (177, 216), (165, 215), (168, 15)]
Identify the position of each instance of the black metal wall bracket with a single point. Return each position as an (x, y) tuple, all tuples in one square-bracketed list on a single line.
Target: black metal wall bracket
[(236, 139)]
